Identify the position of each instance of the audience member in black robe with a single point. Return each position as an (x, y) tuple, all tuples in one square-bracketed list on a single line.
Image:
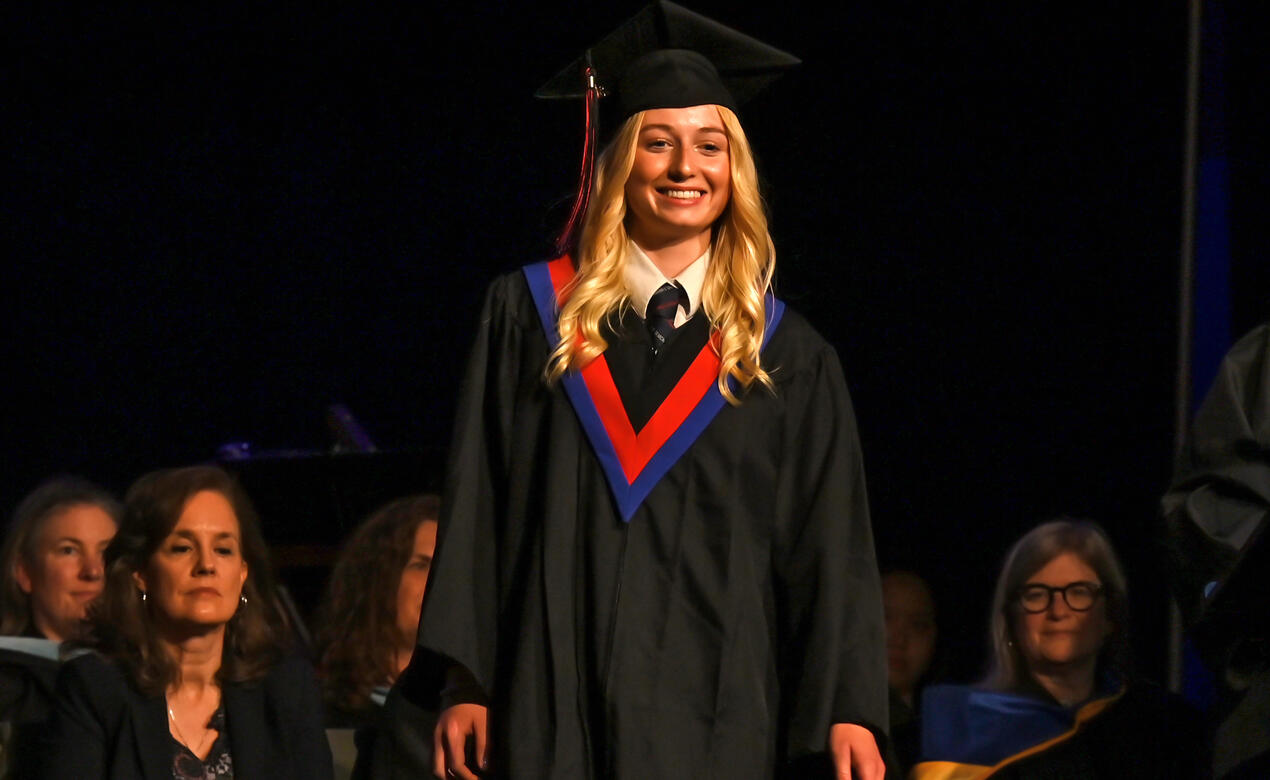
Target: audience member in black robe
[(52, 569), (190, 676), (1215, 513), (655, 556), (1060, 700)]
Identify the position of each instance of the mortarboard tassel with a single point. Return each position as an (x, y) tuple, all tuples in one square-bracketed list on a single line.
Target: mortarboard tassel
[(569, 237)]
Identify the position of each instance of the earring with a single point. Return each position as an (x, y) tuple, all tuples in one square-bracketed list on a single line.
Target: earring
[(243, 599), (143, 595)]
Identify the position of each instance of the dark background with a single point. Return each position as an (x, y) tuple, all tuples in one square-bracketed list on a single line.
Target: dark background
[(221, 221)]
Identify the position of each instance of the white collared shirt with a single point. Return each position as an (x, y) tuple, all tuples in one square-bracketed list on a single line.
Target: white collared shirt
[(643, 279)]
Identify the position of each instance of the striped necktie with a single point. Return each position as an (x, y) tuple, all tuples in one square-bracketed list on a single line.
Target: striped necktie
[(660, 317)]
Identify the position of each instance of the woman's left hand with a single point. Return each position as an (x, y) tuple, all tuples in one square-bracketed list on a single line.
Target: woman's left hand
[(855, 753)]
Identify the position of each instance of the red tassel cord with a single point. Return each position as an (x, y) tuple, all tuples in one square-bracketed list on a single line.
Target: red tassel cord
[(569, 238)]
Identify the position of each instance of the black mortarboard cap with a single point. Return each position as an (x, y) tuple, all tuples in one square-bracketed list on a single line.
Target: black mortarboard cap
[(665, 56), (669, 57)]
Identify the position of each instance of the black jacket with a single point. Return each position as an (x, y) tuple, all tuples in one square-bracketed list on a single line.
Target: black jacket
[(27, 679), (103, 727)]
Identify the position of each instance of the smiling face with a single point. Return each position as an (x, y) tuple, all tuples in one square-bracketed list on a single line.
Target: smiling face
[(195, 577), (1061, 637), (65, 571), (414, 583), (680, 182)]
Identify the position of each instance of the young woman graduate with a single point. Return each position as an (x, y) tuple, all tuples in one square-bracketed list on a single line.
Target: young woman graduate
[(655, 557)]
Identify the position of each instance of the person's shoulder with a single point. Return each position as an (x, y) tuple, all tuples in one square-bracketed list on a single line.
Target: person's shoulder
[(794, 323), (948, 697), (95, 681), (510, 284), (28, 677), (508, 298), (1255, 342), (22, 657), (20, 649), (289, 686), (795, 347), (1149, 702), (291, 693), (1149, 718), (795, 330), (93, 666), (291, 668)]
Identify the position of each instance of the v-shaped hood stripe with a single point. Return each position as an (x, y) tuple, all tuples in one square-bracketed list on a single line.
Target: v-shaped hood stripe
[(633, 463)]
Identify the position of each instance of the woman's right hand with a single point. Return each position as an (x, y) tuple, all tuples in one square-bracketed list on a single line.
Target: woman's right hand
[(456, 724)]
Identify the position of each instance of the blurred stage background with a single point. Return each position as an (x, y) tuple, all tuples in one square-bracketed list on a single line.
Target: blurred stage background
[(222, 221)]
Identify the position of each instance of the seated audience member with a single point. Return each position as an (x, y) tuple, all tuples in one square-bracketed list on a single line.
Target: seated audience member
[(1058, 701), (191, 676), (52, 562), (909, 608), (53, 558), (368, 622)]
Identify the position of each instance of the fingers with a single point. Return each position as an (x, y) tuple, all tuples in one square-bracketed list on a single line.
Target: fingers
[(438, 751), (855, 753), (859, 765), (456, 756), (842, 762), (448, 757), (479, 727)]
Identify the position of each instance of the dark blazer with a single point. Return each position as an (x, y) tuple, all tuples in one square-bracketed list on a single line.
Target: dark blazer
[(103, 727), (28, 674)]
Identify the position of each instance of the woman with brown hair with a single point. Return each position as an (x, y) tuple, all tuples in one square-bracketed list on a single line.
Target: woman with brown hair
[(191, 675), (367, 625)]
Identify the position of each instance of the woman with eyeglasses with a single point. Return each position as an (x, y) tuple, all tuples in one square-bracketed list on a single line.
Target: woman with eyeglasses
[(1059, 700)]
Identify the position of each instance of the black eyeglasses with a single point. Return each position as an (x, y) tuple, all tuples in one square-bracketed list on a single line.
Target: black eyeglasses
[(1080, 596)]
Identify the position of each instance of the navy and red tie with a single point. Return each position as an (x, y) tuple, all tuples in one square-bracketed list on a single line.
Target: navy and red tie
[(660, 316)]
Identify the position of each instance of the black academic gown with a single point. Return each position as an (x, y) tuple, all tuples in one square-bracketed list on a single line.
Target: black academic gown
[(718, 633), (1216, 513), (1147, 734)]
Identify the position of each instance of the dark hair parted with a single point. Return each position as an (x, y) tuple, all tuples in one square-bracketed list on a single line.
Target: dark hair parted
[(357, 622), (1087, 541), (124, 628), (50, 498)]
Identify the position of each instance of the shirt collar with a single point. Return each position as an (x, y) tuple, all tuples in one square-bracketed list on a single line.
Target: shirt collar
[(643, 278)]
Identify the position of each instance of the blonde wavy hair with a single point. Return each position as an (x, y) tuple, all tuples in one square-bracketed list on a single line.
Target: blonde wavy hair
[(742, 263)]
